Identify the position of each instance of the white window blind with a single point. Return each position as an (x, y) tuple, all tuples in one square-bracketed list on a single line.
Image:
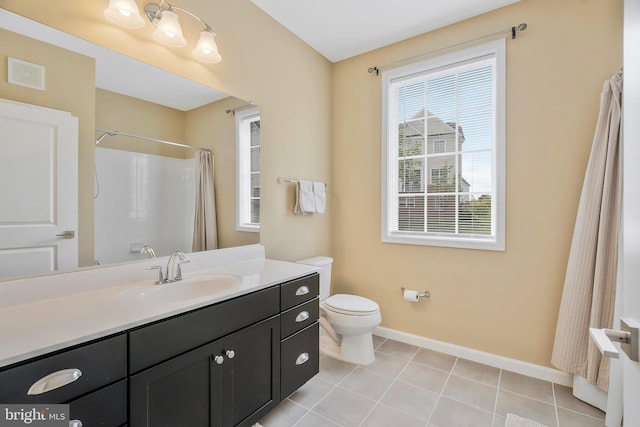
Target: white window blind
[(443, 150), (248, 169)]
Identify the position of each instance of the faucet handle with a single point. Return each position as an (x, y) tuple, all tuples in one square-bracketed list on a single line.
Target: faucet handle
[(160, 276), (179, 270)]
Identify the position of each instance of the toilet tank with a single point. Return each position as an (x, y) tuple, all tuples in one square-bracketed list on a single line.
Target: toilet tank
[(323, 264)]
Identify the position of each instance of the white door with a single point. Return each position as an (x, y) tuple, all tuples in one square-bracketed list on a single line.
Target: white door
[(38, 189), (630, 283)]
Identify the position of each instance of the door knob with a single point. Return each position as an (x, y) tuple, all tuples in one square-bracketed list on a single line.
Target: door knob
[(628, 336), (230, 354), (218, 359)]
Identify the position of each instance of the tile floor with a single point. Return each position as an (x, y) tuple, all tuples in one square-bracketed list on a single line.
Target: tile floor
[(410, 386)]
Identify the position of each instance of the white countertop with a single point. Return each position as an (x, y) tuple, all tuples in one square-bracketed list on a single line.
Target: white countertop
[(34, 326)]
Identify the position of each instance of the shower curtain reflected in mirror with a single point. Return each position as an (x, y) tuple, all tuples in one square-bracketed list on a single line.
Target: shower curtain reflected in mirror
[(205, 230)]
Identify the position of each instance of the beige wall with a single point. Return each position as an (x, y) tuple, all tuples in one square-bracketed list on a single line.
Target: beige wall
[(262, 62), (500, 302), (137, 117), (70, 82)]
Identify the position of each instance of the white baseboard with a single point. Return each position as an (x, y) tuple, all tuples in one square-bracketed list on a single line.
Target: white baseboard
[(513, 365)]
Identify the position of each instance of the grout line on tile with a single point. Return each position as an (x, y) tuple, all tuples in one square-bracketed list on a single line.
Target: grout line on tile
[(528, 397), (387, 390), (495, 403), (455, 362), (579, 413), (555, 404), (320, 415), (334, 386), (382, 342)]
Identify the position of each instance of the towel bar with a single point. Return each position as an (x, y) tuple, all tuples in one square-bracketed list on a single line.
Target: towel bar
[(290, 181)]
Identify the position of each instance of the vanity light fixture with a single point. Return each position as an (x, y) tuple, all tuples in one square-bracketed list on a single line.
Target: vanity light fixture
[(169, 31), (124, 13)]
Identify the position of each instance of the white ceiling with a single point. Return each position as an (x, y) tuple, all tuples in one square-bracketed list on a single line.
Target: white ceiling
[(119, 73), (340, 29)]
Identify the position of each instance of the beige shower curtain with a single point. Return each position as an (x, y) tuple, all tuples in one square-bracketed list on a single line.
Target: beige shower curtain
[(590, 282), (205, 229)]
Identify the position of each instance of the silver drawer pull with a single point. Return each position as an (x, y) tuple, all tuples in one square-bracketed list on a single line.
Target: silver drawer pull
[(304, 315), (75, 423), (55, 380), (303, 358), (302, 290)]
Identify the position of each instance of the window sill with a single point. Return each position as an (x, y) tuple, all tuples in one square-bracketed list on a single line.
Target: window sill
[(248, 228), (476, 243)]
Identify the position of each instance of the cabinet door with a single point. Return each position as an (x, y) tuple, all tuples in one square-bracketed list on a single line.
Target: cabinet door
[(252, 376), (180, 392)]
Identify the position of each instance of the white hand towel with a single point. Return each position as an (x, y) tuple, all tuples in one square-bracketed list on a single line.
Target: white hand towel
[(305, 202), (320, 196)]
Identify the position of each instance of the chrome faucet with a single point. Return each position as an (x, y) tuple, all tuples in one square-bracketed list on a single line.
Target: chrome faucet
[(146, 249), (173, 273)]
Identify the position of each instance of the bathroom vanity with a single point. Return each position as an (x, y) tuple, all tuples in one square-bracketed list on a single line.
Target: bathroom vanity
[(225, 359)]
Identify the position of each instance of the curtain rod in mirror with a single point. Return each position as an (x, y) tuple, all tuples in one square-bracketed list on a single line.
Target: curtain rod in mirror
[(242, 107), (106, 133)]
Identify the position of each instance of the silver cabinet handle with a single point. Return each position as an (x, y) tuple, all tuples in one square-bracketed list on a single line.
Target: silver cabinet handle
[(303, 358), (230, 354), (218, 359), (75, 423), (67, 234), (304, 315), (55, 380), (302, 290)]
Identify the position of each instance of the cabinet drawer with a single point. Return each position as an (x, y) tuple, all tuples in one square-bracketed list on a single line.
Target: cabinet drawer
[(299, 317), (160, 341), (299, 359), (100, 363), (106, 407), (298, 291)]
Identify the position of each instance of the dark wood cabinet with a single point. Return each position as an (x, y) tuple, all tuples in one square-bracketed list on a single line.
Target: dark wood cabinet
[(224, 365), (233, 381), (91, 378)]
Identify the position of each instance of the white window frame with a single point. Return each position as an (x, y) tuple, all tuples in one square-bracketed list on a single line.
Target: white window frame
[(439, 142), (389, 232), (244, 118)]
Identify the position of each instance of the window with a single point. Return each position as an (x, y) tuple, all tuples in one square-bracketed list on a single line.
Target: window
[(248, 170), (438, 146), (445, 116)]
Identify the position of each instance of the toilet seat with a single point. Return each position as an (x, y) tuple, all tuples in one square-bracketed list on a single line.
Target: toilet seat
[(351, 305)]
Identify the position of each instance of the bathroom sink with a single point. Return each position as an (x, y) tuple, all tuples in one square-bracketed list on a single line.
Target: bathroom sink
[(191, 288)]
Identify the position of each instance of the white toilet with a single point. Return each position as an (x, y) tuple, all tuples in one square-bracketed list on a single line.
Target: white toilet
[(346, 321)]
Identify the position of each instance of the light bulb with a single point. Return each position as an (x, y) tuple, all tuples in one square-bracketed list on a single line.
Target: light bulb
[(169, 32), (124, 13), (206, 49)]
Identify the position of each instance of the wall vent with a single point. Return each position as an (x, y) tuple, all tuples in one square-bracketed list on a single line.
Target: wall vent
[(26, 74)]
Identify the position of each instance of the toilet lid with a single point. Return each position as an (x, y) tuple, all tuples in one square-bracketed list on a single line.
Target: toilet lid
[(351, 304)]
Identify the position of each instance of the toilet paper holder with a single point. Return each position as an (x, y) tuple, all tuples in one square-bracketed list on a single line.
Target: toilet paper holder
[(425, 294)]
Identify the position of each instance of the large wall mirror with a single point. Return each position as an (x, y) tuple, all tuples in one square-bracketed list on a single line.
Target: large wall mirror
[(136, 186)]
